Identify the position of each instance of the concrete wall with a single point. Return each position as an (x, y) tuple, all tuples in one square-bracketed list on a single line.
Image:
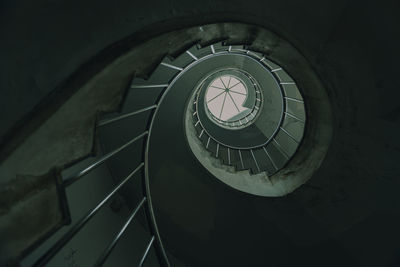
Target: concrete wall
[(44, 42), (350, 205)]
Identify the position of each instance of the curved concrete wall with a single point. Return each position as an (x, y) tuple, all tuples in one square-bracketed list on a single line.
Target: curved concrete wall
[(351, 45)]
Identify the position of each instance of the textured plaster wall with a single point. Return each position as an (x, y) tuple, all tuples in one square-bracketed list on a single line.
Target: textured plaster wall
[(44, 42), (347, 213)]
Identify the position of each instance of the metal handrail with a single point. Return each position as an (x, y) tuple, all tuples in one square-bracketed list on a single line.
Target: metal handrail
[(111, 246), (72, 179), (108, 121), (45, 258), (146, 252), (159, 246), (55, 248), (147, 200)]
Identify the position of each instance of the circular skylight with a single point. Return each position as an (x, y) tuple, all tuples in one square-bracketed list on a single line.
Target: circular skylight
[(228, 102)]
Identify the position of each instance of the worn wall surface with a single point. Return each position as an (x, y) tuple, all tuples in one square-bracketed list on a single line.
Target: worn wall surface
[(348, 213)]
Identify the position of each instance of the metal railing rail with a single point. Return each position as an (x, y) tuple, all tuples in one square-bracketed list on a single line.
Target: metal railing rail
[(45, 258), (72, 179), (146, 252), (155, 237), (146, 201), (111, 246)]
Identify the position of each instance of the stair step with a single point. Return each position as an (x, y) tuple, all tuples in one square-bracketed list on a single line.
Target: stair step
[(248, 161), (264, 161), (236, 160), (236, 48), (179, 62), (218, 47), (203, 137), (223, 155), (256, 55), (271, 65), (287, 144), (291, 90), (295, 106), (194, 52), (278, 156), (212, 147), (141, 98), (164, 73), (283, 76), (290, 135)]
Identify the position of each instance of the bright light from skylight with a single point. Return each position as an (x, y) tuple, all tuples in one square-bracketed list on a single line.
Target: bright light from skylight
[(225, 97)]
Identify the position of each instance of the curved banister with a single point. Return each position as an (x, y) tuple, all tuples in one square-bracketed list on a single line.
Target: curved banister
[(146, 202), (147, 199)]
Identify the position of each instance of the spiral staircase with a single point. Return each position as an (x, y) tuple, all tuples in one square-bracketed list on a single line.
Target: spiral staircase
[(255, 159), (168, 207)]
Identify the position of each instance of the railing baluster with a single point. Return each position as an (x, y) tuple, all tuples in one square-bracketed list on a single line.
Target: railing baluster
[(193, 56), (212, 49), (283, 83), (255, 161), (229, 157), (143, 86), (284, 153), (146, 252), (171, 66), (78, 226), (270, 158), (241, 159), (288, 134), (103, 257), (294, 117), (294, 99), (105, 122), (275, 70), (72, 179)]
